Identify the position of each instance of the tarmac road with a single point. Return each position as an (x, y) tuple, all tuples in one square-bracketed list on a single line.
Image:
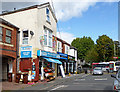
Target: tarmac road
[(86, 82)]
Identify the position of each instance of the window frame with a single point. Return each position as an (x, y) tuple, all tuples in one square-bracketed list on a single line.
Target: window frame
[(8, 36), (50, 38), (45, 34), (2, 33), (48, 14), (48, 35), (25, 37)]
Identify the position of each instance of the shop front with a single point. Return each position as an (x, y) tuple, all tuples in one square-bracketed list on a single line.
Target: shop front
[(64, 60), (48, 64), (71, 64)]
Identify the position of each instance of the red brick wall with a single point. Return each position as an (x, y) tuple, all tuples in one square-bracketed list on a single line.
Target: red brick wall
[(36, 61), (9, 50), (63, 46), (25, 63)]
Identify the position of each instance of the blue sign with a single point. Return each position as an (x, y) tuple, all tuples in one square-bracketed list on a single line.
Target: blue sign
[(47, 54), (63, 56), (26, 52), (33, 74)]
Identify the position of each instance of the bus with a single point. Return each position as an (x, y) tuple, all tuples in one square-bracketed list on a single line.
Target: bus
[(114, 65), (103, 65)]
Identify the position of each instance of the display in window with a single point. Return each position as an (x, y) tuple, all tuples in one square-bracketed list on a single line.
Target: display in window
[(49, 72)]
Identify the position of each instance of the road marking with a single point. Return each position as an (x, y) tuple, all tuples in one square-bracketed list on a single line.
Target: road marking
[(60, 86), (97, 76), (79, 80), (101, 79)]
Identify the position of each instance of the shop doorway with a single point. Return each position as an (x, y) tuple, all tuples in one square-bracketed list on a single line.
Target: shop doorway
[(40, 65), (5, 69)]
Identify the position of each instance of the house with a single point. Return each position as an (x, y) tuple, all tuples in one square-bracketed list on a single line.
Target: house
[(68, 56), (8, 49), (36, 48)]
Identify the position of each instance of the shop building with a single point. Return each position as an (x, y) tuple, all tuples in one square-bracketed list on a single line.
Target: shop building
[(73, 59), (8, 49), (37, 26), (68, 56), (63, 50)]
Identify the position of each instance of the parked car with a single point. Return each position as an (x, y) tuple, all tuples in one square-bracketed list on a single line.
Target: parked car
[(97, 70), (116, 83), (79, 69)]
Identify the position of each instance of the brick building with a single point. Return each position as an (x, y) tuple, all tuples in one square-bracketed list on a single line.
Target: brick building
[(8, 48)]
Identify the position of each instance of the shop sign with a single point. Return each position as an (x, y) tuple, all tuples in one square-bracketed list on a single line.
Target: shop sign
[(26, 52), (71, 58), (47, 54), (63, 56), (33, 74)]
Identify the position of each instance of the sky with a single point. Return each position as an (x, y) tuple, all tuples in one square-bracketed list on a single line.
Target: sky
[(78, 18)]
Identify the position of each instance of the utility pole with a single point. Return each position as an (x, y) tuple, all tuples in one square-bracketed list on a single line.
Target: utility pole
[(114, 50)]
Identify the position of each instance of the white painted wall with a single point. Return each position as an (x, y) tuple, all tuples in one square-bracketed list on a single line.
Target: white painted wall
[(32, 20), (72, 52)]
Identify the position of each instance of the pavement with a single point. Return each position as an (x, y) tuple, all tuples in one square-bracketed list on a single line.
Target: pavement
[(37, 86)]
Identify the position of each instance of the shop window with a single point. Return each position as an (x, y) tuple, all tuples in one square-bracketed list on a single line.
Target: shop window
[(47, 13), (25, 37), (8, 36), (1, 34)]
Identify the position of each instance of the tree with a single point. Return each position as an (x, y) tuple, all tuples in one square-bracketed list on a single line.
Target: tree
[(82, 45), (105, 47), (92, 55)]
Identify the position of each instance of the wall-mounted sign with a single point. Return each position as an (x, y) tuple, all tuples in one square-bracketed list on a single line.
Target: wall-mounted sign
[(33, 74), (63, 56), (54, 43), (26, 52), (71, 58), (47, 54)]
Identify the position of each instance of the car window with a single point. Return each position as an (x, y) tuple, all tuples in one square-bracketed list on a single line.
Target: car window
[(119, 74)]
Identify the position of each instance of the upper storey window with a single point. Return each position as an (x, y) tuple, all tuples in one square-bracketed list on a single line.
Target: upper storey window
[(1, 34), (8, 36), (25, 37), (48, 14)]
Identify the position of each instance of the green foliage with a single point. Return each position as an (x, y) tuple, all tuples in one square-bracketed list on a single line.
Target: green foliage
[(105, 47), (83, 45), (92, 55)]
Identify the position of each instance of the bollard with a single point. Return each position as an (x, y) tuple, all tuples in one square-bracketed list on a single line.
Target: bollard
[(69, 74)]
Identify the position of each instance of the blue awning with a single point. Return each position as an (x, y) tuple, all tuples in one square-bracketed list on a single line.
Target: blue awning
[(53, 60)]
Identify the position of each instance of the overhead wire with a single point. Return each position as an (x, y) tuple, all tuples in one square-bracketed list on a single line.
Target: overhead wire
[(55, 15)]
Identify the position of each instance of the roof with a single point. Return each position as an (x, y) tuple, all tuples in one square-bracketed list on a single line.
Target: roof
[(7, 23), (71, 47), (31, 7), (63, 41)]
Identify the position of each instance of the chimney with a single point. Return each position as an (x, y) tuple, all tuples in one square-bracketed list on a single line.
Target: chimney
[(14, 9)]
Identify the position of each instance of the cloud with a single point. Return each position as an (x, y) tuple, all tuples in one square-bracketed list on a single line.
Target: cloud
[(64, 9), (66, 36), (67, 9)]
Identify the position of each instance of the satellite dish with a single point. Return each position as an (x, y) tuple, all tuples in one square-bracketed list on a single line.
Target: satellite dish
[(32, 33)]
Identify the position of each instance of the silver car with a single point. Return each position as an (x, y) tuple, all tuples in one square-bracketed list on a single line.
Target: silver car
[(116, 83), (97, 70)]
